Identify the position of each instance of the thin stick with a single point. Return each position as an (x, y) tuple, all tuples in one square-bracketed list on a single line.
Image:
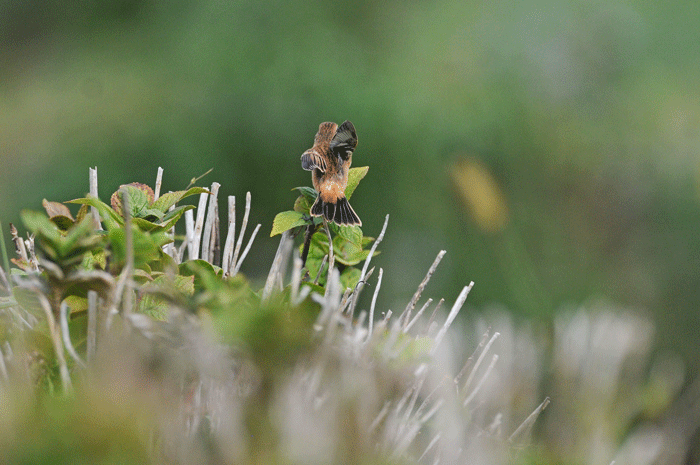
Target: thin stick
[(189, 235), (331, 255), (470, 360), (387, 316), (216, 238), (480, 359), (159, 182), (169, 248), (66, 335), (380, 416), (244, 224), (320, 268), (57, 344), (19, 244), (5, 258), (432, 315), (406, 315), (415, 318), (374, 301), (529, 421), (452, 315), (379, 239), (93, 192), (201, 210), (473, 394), (91, 326), (310, 230), (209, 224), (31, 251), (246, 250), (3, 368), (430, 446), (230, 236), (350, 292), (276, 265), (297, 265), (129, 244)]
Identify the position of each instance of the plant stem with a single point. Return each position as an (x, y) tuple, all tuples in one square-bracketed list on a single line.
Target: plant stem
[(310, 230)]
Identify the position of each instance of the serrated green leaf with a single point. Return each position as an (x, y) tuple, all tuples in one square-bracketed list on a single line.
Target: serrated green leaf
[(285, 221), (355, 175), (352, 234), (138, 201), (166, 201)]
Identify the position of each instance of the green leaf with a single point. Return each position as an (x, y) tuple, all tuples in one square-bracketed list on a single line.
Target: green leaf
[(153, 302), (138, 201), (285, 221), (147, 246), (350, 277), (352, 234), (110, 217), (308, 192), (303, 205), (38, 223), (174, 215), (145, 225), (355, 175), (166, 201)]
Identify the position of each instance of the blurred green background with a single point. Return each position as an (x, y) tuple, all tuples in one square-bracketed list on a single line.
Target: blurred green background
[(550, 147)]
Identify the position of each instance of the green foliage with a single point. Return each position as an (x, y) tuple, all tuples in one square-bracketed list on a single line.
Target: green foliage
[(147, 214), (348, 241)]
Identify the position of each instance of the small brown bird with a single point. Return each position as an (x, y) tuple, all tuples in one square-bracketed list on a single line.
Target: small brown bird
[(329, 161)]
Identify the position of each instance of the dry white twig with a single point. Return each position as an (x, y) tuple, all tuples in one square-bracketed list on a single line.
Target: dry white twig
[(230, 236), (479, 360), (209, 223), (244, 225), (452, 315), (239, 262), (406, 315), (93, 193), (159, 182), (360, 283), (526, 425), (374, 301), (198, 225), (477, 388), (91, 326), (282, 253)]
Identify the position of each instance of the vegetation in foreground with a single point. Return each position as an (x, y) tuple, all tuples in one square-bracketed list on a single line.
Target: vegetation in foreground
[(118, 349)]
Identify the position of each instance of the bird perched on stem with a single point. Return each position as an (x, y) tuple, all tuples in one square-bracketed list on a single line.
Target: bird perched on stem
[(329, 161)]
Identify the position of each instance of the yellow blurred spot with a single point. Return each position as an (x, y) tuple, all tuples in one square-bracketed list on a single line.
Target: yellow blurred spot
[(481, 194)]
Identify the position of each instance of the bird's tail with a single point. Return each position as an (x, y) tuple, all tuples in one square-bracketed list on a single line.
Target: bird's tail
[(340, 212)]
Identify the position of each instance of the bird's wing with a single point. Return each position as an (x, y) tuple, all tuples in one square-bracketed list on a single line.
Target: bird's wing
[(312, 160), (345, 140)]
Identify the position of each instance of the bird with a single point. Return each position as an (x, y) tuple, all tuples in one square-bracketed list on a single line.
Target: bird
[(329, 161)]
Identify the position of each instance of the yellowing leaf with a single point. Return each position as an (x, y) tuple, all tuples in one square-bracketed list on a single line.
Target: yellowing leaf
[(481, 194)]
